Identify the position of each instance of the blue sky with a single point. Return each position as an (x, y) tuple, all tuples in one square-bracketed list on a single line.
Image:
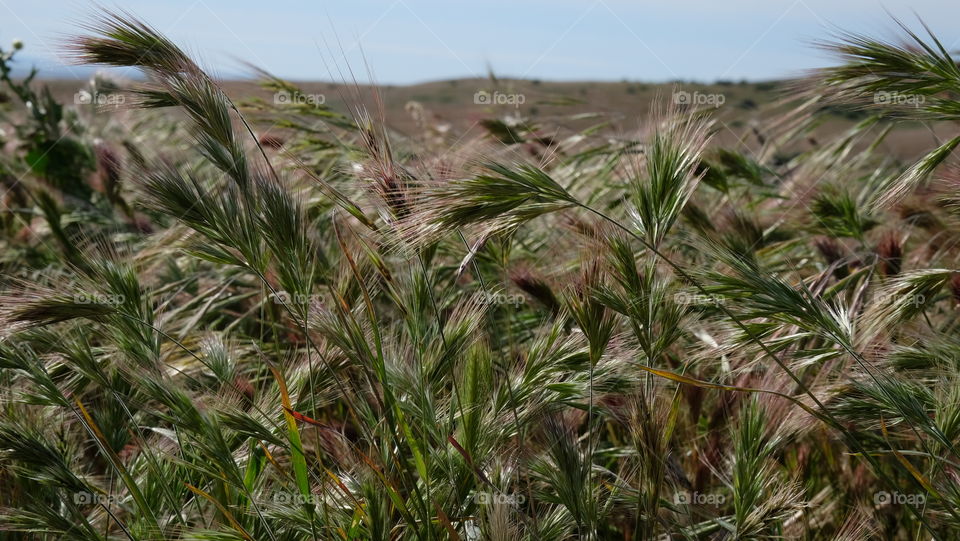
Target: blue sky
[(407, 41)]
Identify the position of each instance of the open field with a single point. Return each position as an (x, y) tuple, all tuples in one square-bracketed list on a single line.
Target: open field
[(746, 107)]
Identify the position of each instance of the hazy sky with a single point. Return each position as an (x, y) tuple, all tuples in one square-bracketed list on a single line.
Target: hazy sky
[(404, 41)]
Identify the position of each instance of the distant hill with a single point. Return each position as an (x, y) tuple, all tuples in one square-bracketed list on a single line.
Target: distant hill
[(460, 104)]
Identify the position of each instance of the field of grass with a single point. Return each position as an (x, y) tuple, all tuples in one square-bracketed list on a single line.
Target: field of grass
[(479, 309)]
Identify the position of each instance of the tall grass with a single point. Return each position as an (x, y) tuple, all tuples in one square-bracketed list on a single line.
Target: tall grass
[(211, 331)]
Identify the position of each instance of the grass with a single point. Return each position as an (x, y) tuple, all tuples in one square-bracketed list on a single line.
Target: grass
[(280, 320)]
